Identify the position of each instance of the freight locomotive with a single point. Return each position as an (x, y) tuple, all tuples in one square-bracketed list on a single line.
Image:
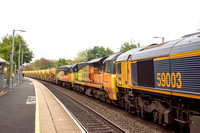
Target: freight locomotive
[(160, 81)]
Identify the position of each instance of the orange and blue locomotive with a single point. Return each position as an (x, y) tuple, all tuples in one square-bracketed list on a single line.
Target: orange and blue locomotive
[(163, 80)]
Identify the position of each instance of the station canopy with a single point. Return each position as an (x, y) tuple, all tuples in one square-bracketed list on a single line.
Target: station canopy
[(3, 62)]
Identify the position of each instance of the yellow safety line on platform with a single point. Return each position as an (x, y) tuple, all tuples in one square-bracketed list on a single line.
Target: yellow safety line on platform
[(37, 118), (3, 92)]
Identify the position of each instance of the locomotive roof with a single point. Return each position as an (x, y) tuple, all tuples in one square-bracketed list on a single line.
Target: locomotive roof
[(191, 34), (97, 60), (73, 65), (64, 67), (112, 57), (69, 66), (185, 44), (83, 62), (124, 56)]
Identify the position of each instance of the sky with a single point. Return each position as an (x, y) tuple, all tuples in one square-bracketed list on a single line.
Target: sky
[(61, 28)]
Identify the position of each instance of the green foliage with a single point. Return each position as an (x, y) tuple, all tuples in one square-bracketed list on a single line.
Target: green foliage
[(93, 53), (6, 48), (98, 52), (126, 46), (81, 56), (61, 62)]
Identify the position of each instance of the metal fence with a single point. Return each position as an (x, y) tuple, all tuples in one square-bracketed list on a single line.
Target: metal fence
[(4, 80)]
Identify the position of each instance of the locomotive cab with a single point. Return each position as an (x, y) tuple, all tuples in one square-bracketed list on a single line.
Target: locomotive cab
[(109, 76)]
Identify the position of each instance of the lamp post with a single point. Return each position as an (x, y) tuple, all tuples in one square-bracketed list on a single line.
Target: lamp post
[(159, 37), (11, 58), (21, 68), (18, 76)]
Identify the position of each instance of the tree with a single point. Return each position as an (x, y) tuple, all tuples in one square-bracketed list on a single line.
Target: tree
[(61, 62), (6, 48), (98, 52), (70, 61), (43, 63), (126, 46), (81, 56), (29, 67)]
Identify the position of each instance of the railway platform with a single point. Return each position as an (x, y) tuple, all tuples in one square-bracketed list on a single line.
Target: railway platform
[(31, 107)]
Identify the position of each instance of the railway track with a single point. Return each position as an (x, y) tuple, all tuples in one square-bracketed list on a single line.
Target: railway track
[(123, 119), (90, 119)]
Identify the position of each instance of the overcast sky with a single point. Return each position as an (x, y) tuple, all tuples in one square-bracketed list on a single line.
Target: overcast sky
[(61, 28)]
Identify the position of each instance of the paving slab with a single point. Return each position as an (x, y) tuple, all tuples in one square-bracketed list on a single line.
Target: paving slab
[(17, 109)]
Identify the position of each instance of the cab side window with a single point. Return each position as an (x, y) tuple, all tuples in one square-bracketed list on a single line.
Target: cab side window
[(65, 72), (75, 69), (119, 71), (107, 67)]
